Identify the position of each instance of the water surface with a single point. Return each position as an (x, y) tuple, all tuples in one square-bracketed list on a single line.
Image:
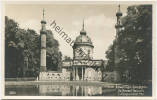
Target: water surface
[(76, 90)]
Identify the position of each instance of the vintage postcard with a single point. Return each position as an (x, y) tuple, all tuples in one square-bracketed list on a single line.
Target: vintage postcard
[(78, 50)]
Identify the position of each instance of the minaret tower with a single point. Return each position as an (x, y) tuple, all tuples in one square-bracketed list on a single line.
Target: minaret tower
[(118, 27), (43, 44)]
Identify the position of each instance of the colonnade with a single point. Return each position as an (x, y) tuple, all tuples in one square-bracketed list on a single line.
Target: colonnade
[(76, 75)]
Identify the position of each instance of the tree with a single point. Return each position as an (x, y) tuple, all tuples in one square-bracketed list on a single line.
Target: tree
[(135, 45), (53, 55), (110, 57), (67, 58), (22, 51), (11, 28)]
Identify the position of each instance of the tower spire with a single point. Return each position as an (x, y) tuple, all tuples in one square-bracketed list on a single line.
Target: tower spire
[(118, 14), (119, 7), (83, 25), (43, 22), (43, 13), (83, 32)]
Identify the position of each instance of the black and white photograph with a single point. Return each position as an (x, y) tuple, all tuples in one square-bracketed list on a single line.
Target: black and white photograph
[(77, 50)]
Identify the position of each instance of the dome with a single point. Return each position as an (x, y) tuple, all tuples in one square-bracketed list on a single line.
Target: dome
[(83, 32), (83, 40), (119, 13)]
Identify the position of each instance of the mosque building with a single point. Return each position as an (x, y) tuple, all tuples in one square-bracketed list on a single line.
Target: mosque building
[(83, 67)]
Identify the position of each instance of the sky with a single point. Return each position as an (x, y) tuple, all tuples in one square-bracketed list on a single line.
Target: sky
[(99, 22)]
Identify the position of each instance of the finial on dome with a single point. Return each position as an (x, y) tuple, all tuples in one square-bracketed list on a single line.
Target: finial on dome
[(83, 32), (119, 7), (43, 13), (83, 25)]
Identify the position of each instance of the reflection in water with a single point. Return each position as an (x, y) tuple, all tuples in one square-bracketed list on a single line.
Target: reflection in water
[(67, 90), (76, 90), (54, 89)]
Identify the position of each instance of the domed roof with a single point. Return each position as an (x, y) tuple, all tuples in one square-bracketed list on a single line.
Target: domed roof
[(83, 39), (119, 13), (83, 32)]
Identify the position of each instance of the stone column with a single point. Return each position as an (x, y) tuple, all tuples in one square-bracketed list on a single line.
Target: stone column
[(74, 73), (76, 90), (73, 91), (43, 53), (77, 77), (82, 74), (82, 90), (43, 32)]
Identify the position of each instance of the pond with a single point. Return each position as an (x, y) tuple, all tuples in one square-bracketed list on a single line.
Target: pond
[(76, 90)]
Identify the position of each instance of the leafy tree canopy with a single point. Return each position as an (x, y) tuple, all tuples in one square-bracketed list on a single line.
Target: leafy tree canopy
[(22, 51), (134, 44)]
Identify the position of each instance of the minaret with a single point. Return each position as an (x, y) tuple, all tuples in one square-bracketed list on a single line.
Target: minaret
[(43, 45), (118, 27)]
